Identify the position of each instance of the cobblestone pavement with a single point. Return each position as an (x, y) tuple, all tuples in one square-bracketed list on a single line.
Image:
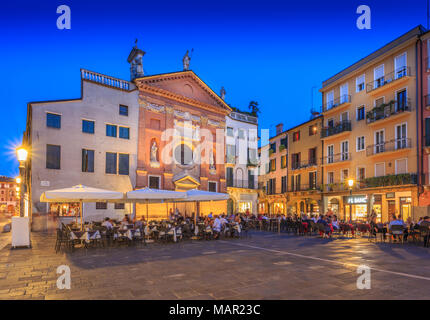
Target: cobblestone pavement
[(263, 266)]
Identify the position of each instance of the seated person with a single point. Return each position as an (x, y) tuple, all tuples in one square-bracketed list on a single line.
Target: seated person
[(107, 224), (335, 223)]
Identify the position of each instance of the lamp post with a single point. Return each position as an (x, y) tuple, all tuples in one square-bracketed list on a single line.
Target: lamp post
[(350, 185), (22, 155), (21, 224)]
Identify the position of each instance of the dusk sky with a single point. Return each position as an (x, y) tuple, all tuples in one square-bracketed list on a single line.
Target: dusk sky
[(272, 52)]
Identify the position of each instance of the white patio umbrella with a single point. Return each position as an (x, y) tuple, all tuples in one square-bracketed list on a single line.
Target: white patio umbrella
[(148, 195), (80, 193), (201, 195)]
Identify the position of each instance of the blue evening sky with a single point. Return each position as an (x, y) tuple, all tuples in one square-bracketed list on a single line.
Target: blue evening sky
[(273, 52)]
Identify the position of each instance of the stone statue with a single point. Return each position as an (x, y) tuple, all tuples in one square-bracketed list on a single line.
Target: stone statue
[(222, 93), (154, 150), (186, 60)]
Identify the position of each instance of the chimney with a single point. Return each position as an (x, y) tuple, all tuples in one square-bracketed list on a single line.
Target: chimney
[(279, 128)]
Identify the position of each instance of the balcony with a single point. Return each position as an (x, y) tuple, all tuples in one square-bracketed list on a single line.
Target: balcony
[(388, 110), (389, 146), (244, 117), (390, 180), (106, 80), (388, 80), (295, 165), (343, 126), (342, 100), (336, 158), (304, 187), (245, 184)]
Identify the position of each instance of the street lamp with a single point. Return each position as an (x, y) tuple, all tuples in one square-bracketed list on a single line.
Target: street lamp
[(350, 185), (22, 155)]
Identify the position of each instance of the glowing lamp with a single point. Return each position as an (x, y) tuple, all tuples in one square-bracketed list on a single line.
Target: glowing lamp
[(22, 154), (350, 183)]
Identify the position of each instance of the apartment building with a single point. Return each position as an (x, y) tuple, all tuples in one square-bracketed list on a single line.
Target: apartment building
[(370, 133), (304, 174), (424, 122), (242, 162), (91, 140), (275, 162), (263, 171)]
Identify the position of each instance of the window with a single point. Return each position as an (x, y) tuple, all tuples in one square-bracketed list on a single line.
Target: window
[(330, 154), (111, 162), (273, 147), (400, 66), (401, 104), (283, 162), (379, 141), (344, 117), (53, 120), (360, 113), (87, 160), (111, 130), (284, 184), (154, 182), (123, 164), (241, 134), (344, 93), (53, 156), (155, 124), (312, 130), (330, 100), (231, 153), (344, 147), (295, 160), (330, 123), (119, 206), (273, 165), (359, 82), (380, 169), (379, 77), (101, 205), (284, 142), (230, 132), (401, 166), (427, 132), (379, 101), (360, 143), (312, 156), (361, 174), (183, 154), (88, 126), (212, 186), (124, 133), (296, 136), (344, 175), (123, 110)]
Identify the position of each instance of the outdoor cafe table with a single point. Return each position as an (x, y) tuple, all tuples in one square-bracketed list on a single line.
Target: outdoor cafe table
[(85, 235), (127, 233)]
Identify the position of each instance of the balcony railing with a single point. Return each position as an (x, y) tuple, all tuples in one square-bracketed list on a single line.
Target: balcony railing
[(105, 80), (389, 146), (387, 110), (246, 184), (336, 102), (244, 117), (390, 180), (295, 165), (339, 157), (388, 78), (338, 128), (304, 187)]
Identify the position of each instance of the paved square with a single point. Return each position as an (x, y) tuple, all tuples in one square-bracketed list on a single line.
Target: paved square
[(263, 266)]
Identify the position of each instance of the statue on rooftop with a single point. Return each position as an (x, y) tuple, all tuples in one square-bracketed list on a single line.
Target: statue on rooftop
[(186, 60)]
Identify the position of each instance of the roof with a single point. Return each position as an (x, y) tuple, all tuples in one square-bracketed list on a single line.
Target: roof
[(414, 33), (6, 179), (301, 124)]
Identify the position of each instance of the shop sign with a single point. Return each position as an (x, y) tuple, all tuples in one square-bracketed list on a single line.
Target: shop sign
[(356, 199), (390, 195)]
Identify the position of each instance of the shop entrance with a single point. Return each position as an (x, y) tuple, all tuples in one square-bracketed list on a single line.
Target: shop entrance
[(391, 208), (405, 207)]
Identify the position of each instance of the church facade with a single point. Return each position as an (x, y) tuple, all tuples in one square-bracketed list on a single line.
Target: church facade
[(181, 137)]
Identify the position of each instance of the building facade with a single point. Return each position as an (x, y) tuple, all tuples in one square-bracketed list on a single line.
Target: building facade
[(242, 162), (304, 173), (370, 133), (91, 140), (274, 161), (8, 195)]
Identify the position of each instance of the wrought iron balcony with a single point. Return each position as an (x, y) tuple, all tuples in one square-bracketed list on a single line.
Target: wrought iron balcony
[(338, 128), (339, 157), (387, 110), (388, 78), (295, 165), (389, 146), (390, 180), (304, 187), (336, 102)]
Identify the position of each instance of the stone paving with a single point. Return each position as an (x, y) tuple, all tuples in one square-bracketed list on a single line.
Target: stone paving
[(263, 266)]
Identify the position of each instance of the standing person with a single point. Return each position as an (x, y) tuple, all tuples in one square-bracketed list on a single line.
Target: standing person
[(216, 227)]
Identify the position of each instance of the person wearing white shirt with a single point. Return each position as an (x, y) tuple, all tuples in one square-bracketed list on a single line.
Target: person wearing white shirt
[(107, 224)]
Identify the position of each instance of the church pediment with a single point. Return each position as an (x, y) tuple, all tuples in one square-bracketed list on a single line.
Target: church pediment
[(184, 84), (185, 181)]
